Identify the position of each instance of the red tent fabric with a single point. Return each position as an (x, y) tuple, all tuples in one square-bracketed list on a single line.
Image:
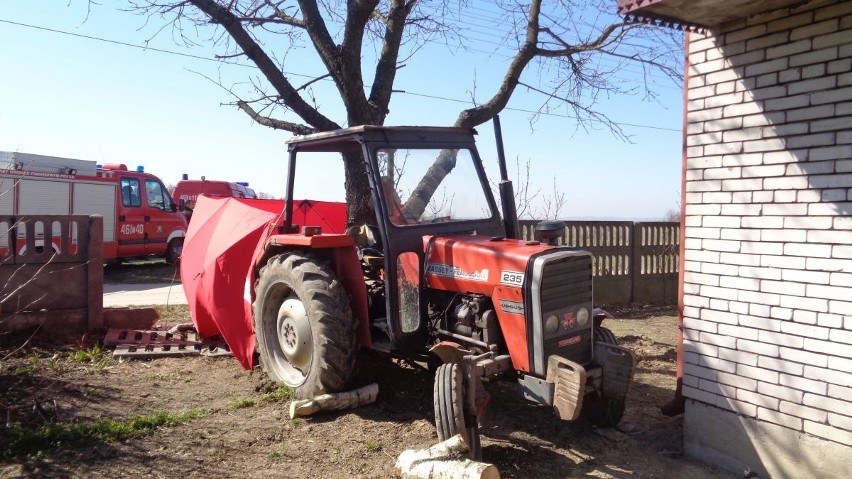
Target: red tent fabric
[(217, 257)]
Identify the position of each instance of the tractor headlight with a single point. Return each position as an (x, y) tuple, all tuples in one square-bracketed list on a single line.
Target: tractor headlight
[(552, 324), (583, 316)]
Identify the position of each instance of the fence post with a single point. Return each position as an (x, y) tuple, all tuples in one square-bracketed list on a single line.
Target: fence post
[(635, 258), (95, 272)]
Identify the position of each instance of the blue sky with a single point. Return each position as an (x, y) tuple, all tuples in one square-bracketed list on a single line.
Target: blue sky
[(76, 97)]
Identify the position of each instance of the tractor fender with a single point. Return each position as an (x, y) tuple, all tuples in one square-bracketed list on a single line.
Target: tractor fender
[(340, 251), (449, 352)]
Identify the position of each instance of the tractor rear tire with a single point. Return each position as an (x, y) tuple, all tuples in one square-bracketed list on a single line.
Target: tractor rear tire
[(304, 326), (600, 410), (450, 419)]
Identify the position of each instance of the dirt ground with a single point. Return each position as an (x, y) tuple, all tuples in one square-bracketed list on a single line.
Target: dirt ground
[(244, 430)]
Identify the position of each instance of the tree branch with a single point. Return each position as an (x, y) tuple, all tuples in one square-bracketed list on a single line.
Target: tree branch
[(272, 122), (289, 96), (386, 67)]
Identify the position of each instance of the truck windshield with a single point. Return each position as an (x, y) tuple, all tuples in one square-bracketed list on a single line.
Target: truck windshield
[(432, 186)]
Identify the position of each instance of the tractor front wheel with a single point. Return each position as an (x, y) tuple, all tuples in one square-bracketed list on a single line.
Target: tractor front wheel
[(174, 250), (450, 418), (304, 326), (600, 410)]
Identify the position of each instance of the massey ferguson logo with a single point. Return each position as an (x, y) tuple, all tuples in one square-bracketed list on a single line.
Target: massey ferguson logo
[(448, 271), (568, 320), (512, 307)]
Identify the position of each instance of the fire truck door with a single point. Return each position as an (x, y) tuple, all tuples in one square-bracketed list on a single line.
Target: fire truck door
[(159, 216), (131, 218)]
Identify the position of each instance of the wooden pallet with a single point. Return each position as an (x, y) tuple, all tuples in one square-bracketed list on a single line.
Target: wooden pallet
[(148, 344)]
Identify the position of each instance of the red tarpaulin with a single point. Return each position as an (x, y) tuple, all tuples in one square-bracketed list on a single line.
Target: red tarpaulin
[(217, 253)]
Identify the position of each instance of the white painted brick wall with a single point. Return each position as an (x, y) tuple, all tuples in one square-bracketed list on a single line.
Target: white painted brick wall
[(768, 282), (768, 279)]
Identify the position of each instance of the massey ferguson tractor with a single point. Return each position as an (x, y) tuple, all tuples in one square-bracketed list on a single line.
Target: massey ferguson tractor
[(442, 277)]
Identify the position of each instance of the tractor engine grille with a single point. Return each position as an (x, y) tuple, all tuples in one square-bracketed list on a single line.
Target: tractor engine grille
[(561, 287)]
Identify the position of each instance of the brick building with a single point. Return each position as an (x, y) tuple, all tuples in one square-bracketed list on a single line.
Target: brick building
[(766, 290)]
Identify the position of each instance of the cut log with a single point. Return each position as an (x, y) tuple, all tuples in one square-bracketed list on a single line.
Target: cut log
[(444, 460), (335, 402)]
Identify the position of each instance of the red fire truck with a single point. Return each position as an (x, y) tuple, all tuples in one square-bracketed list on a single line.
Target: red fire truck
[(139, 216), (187, 191)]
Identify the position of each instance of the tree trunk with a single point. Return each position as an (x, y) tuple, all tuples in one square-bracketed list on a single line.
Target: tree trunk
[(425, 190), (359, 200)]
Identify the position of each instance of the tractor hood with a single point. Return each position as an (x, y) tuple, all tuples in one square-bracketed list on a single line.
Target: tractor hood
[(478, 264)]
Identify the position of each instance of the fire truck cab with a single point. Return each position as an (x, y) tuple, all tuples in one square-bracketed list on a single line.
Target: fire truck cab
[(139, 216), (187, 191)]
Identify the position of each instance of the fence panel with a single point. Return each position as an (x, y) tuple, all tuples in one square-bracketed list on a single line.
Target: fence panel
[(51, 272), (634, 262)]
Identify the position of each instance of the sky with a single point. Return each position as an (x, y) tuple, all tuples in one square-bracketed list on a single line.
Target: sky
[(73, 85)]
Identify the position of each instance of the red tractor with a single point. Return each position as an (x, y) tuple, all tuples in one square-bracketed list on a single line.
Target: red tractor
[(439, 276)]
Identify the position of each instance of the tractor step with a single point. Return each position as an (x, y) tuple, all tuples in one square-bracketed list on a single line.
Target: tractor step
[(148, 344)]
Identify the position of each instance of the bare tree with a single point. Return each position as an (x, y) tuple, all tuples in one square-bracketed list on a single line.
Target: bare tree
[(553, 203), (577, 58)]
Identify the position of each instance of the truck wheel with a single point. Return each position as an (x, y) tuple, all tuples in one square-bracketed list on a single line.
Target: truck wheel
[(174, 250), (602, 411), (449, 409), (303, 324)]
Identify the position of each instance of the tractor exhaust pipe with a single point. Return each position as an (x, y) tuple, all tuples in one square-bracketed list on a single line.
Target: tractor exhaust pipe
[(507, 191)]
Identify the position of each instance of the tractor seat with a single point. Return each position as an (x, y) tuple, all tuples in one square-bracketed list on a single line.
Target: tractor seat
[(368, 242)]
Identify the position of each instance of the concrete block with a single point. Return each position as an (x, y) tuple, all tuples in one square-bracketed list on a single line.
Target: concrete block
[(768, 351), (815, 112), (767, 80), (781, 339), (808, 250), (734, 442), (813, 359), (781, 419), (796, 381), (769, 144), (742, 109), (815, 29), (816, 140), (787, 103), (831, 152), (805, 330), (831, 124), (746, 34), (814, 56), (814, 71), (784, 49), (812, 85), (830, 40), (781, 365)]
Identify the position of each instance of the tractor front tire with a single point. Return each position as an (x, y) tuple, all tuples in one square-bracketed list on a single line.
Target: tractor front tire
[(450, 419), (600, 410), (303, 325), (174, 250)]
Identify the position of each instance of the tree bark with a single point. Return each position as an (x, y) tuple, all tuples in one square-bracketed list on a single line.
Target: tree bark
[(335, 402), (444, 460), (359, 199)]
